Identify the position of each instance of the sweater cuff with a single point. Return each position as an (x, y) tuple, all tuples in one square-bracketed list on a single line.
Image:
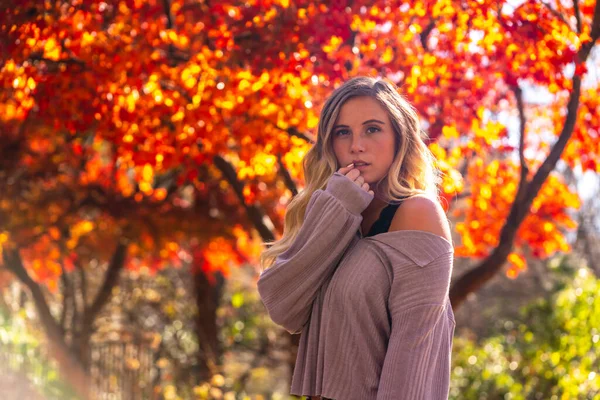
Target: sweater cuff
[(352, 197)]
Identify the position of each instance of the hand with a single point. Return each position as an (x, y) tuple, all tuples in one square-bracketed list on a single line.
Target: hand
[(354, 175)]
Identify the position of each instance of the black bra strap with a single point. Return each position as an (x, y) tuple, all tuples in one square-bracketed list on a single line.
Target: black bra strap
[(385, 220)]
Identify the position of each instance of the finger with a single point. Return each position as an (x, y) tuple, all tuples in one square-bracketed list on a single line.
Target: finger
[(365, 186), (372, 193), (353, 174), (346, 169), (359, 181)]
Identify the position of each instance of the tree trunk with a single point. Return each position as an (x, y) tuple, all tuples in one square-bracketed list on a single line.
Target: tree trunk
[(69, 366), (207, 301), (73, 361)]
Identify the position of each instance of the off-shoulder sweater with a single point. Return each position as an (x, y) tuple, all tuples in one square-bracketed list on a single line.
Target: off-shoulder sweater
[(373, 312)]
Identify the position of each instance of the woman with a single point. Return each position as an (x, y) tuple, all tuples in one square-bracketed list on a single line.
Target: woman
[(363, 268)]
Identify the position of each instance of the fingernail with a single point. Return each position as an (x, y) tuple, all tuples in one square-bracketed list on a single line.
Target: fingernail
[(349, 165)]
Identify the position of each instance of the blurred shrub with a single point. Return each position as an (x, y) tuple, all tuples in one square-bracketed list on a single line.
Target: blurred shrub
[(551, 352), (25, 369)]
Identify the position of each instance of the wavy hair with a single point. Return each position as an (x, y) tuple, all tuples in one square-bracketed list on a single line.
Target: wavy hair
[(412, 171)]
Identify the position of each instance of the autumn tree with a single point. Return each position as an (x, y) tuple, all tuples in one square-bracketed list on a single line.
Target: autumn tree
[(62, 231), (175, 129)]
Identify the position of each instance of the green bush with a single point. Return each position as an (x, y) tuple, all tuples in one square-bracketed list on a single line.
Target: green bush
[(551, 352), (24, 363)]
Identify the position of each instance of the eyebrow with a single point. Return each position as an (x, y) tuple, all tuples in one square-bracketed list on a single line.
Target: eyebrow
[(364, 123)]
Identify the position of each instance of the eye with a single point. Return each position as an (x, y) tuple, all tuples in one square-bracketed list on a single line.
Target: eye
[(373, 129), (341, 132)]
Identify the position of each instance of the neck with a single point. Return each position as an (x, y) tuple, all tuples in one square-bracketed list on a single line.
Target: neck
[(375, 207), (378, 189)]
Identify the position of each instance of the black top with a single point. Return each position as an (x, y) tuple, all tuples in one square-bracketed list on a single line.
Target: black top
[(384, 221)]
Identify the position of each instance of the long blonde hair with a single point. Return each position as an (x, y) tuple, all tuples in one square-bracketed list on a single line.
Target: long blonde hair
[(412, 172)]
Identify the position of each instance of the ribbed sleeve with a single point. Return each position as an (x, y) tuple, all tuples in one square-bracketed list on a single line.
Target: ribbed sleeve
[(289, 287), (417, 359)]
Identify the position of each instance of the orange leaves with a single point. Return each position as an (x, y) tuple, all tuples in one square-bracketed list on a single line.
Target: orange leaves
[(150, 256), (517, 264), (483, 217), (364, 25), (543, 230), (17, 97), (450, 132), (260, 165), (443, 8), (51, 49), (494, 188), (141, 106), (489, 133), (583, 150), (4, 238), (147, 177), (43, 261), (170, 36), (249, 246), (219, 255), (128, 101), (546, 43), (78, 230), (293, 159), (452, 181), (333, 45)]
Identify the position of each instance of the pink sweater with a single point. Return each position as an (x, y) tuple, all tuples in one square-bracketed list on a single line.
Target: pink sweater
[(374, 313)]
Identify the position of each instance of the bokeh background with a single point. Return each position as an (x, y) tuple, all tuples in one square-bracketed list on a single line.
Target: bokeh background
[(148, 148)]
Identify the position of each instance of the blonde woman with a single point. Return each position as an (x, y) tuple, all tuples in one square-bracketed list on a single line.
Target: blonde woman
[(363, 269)]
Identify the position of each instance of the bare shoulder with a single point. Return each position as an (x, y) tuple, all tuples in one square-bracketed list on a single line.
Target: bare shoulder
[(422, 213)]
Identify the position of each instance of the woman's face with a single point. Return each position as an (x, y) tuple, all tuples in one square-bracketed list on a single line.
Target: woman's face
[(363, 132)]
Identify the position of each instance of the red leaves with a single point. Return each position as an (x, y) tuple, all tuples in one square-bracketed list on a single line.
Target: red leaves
[(113, 89), (581, 69)]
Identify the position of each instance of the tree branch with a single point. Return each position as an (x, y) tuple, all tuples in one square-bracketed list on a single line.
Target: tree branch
[(167, 11), (83, 279), (54, 63), (595, 34), (522, 123), (65, 304), (478, 276), (424, 36), (302, 135), (12, 262), (74, 312), (287, 178), (558, 15), (69, 365), (255, 214), (577, 14), (111, 279)]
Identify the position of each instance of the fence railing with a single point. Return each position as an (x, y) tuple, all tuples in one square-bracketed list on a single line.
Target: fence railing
[(118, 371)]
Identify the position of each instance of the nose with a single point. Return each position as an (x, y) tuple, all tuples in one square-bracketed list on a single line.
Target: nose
[(356, 144)]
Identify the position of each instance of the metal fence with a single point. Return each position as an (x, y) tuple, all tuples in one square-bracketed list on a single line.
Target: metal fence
[(122, 371), (118, 371)]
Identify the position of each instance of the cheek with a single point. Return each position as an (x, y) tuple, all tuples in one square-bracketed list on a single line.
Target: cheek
[(386, 151), (390, 154)]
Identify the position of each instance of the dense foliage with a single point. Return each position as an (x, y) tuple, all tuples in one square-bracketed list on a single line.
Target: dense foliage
[(551, 352)]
